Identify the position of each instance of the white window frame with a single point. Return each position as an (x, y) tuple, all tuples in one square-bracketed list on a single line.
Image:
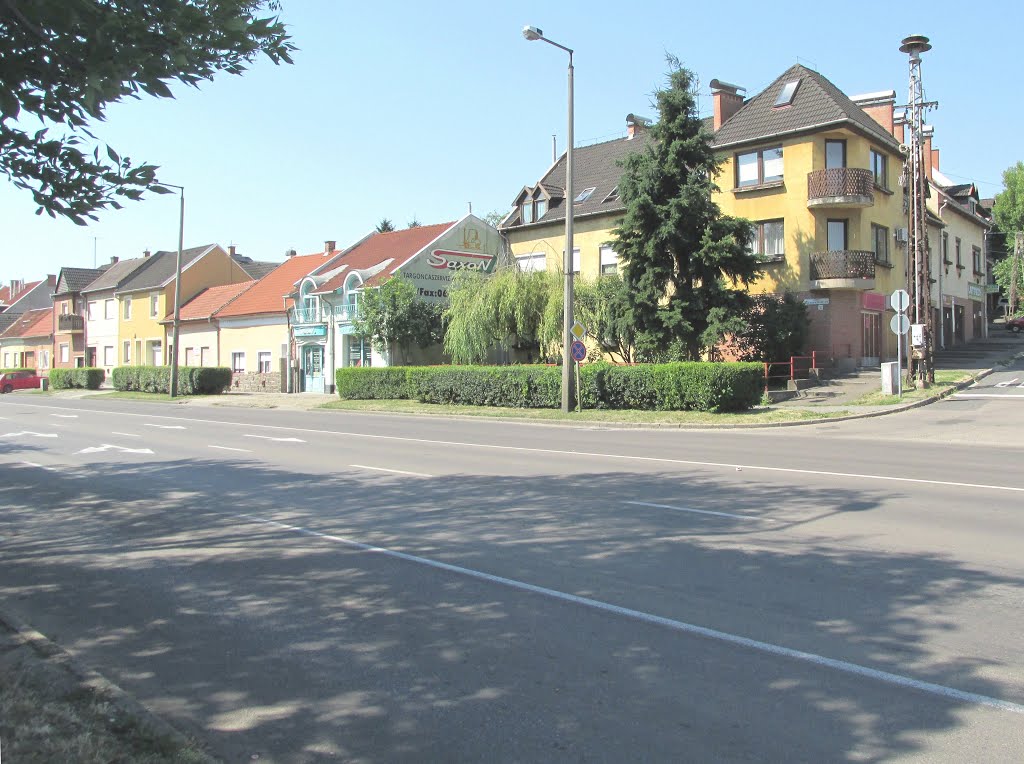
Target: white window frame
[(609, 260), (154, 304), (203, 355), (575, 260), (110, 309), (65, 352), (126, 352), (127, 309), (535, 262), (235, 370), (91, 310), (109, 355), (269, 360)]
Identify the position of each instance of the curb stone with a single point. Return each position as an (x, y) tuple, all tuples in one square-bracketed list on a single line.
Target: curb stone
[(56, 659)]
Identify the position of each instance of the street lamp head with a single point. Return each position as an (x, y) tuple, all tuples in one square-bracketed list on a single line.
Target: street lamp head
[(532, 33)]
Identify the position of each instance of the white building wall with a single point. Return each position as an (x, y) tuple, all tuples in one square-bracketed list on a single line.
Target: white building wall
[(101, 332)]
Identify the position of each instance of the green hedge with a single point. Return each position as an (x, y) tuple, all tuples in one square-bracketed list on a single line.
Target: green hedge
[(665, 387), (192, 380), (362, 382), (87, 378), (19, 368)]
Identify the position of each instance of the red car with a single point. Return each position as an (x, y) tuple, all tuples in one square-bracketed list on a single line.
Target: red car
[(19, 380), (1015, 325)]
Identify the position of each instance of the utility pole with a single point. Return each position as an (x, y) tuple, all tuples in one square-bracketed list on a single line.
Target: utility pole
[(917, 212), (1018, 253)]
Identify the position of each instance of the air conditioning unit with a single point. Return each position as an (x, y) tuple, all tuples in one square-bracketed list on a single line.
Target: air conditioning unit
[(902, 235)]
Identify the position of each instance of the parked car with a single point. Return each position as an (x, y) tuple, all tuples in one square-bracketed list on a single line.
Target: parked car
[(1015, 325), (19, 380)]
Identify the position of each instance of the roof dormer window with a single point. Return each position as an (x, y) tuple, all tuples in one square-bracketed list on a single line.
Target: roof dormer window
[(540, 207), (527, 211), (584, 194)]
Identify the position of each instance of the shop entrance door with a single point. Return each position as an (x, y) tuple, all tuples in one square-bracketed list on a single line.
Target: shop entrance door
[(313, 368), (872, 339)]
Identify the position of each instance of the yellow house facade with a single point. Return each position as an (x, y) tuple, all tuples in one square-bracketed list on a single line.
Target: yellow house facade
[(144, 300)]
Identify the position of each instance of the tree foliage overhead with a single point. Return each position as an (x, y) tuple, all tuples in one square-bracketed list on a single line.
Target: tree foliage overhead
[(63, 62), (391, 316), (686, 264)]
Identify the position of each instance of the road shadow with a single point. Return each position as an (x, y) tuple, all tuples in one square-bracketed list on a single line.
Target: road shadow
[(296, 647)]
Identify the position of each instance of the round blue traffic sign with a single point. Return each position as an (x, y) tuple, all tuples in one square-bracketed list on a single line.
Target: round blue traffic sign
[(578, 351)]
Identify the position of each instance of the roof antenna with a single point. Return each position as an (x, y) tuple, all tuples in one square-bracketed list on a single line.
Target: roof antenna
[(470, 207), (554, 148), (813, 65)]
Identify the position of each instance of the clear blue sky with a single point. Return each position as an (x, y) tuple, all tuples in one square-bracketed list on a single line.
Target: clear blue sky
[(412, 110)]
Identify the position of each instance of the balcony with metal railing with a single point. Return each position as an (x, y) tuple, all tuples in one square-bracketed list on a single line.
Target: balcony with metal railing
[(847, 187), (70, 322), (843, 269), (320, 314)]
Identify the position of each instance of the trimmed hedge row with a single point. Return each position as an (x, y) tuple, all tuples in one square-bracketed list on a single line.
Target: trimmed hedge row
[(192, 380), (17, 368), (665, 387), (87, 378)]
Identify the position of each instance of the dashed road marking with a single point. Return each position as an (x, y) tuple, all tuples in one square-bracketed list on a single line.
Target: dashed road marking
[(229, 448), (385, 469)]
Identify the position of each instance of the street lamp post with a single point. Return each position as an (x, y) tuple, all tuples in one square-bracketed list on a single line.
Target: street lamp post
[(177, 292), (533, 33)]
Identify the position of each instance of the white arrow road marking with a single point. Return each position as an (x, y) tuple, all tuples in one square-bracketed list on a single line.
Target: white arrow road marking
[(1007, 384), (26, 432), (385, 469), (279, 440), (40, 466), (228, 448), (66, 416), (109, 446), (699, 511), (167, 426)]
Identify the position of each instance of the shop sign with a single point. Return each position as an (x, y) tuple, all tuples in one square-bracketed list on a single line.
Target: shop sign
[(873, 301), (816, 301), (974, 291), (310, 331)]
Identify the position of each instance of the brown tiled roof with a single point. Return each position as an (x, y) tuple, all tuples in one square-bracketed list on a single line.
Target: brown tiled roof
[(594, 166), (5, 294), (267, 295), (31, 323), (397, 246), (209, 301), (817, 102)]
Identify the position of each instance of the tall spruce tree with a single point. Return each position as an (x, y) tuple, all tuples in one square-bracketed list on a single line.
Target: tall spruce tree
[(687, 265)]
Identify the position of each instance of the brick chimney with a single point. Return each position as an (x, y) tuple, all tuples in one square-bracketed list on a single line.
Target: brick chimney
[(113, 260), (928, 131), (329, 246), (935, 159), (727, 101), (880, 107), (231, 250), (145, 253), (899, 124), (635, 125)]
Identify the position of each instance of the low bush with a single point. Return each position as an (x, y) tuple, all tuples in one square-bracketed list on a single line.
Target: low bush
[(18, 368), (192, 380), (364, 383), (666, 387), (87, 378)]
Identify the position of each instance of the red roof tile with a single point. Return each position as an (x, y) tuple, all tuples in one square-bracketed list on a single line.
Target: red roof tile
[(267, 294), (209, 301), (397, 246), (32, 323)]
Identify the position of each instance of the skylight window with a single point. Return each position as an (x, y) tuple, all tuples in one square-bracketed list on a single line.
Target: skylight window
[(786, 95), (584, 195), (613, 195)]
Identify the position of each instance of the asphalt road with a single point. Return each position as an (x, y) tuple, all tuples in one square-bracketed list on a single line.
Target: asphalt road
[(327, 586)]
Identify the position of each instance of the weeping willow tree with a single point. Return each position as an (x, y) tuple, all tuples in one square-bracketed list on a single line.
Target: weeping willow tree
[(524, 310), (504, 309)]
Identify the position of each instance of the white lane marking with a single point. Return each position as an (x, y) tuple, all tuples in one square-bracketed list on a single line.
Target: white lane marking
[(385, 469), (166, 426), (699, 511), (1003, 396), (229, 448), (26, 432), (1013, 381), (112, 447), (950, 693), (279, 440), (40, 466), (126, 434), (557, 452), (66, 416)]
